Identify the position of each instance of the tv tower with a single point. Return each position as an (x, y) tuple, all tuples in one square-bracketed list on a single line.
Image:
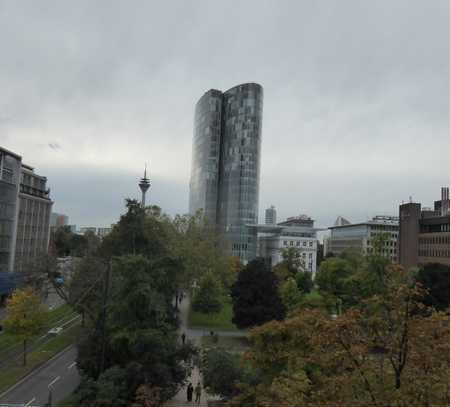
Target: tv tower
[(144, 185)]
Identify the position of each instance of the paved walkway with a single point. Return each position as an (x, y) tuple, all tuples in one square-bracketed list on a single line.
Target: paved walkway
[(194, 336)]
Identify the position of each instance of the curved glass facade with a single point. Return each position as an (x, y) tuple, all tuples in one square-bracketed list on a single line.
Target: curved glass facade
[(239, 167), (203, 191), (226, 162)]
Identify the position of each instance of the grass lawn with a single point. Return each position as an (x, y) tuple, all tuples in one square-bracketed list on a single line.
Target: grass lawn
[(230, 343), (13, 374), (220, 321), (314, 295)]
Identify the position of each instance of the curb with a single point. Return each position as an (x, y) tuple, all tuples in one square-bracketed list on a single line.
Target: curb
[(36, 370)]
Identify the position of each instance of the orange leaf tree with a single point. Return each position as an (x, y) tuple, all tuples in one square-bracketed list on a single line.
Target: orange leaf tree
[(389, 351), (26, 316)]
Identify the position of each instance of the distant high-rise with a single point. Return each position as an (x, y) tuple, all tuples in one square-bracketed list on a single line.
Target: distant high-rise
[(271, 216), (226, 161)]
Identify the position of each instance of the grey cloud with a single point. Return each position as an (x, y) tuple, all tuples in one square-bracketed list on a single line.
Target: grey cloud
[(355, 95)]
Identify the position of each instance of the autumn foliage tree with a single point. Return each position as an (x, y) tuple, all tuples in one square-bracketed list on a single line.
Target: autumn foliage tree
[(25, 318), (389, 351)]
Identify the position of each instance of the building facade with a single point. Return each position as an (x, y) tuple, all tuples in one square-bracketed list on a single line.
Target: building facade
[(226, 164), (10, 170), (297, 232), (25, 209), (425, 233), (361, 237), (33, 226), (271, 216)]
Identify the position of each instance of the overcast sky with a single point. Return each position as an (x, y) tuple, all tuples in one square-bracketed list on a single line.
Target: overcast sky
[(356, 98)]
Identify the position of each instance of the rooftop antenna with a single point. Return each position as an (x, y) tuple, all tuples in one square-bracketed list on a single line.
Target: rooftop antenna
[(144, 185)]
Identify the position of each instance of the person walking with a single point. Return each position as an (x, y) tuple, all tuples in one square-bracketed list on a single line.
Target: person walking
[(183, 338), (190, 390), (198, 393)]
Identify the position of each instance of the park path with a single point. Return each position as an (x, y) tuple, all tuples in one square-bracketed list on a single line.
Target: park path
[(193, 335)]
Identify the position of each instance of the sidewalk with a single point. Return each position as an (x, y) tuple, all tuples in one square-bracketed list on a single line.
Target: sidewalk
[(195, 337)]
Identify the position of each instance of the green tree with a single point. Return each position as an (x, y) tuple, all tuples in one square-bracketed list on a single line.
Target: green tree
[(208, 297), (290, 295), (25, 318), (304, 281), (291, 264), (221, 371), (139, 331), (200, 249), (435, 278), (255, 296), (334, 279)]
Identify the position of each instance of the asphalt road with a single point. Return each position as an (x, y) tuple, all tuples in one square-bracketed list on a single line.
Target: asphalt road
[(36, 384)]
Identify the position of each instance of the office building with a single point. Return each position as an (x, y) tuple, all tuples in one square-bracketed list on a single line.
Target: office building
[(25, 208), (271, 216), (359, 237), (10, 170), (33, 225), (425, 232), (226, 149), (296, 232)]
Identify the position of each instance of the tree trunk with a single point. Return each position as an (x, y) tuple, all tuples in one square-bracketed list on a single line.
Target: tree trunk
[(24, 352), (397, 380)]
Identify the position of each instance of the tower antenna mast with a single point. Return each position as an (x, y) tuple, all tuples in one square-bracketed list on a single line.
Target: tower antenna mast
[(144, 185)]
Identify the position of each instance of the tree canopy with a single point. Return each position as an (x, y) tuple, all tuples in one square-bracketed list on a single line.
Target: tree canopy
[(435, 278), (255, 296), (387, 351)]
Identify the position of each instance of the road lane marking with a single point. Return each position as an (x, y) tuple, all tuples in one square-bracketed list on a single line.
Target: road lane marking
[(72, 365), (29, 403), (54, 381)]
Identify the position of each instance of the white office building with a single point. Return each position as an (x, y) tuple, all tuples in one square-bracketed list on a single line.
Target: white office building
[(360, 237), (297, 232)]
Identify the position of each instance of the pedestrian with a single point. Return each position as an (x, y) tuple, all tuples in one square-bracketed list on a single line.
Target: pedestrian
[(190, 390), (198, 393), (183, 338)]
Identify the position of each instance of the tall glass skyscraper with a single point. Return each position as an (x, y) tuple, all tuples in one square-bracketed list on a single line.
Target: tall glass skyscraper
[(226, 162)]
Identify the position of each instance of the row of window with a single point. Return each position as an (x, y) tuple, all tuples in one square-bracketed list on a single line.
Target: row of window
[(384, 251), (443, 227), (392, 235), (434, 253), (391, 243), (435, 240), (297, 244)]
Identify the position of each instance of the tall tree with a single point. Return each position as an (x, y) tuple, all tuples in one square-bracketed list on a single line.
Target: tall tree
[(255, 296), (208, 296)]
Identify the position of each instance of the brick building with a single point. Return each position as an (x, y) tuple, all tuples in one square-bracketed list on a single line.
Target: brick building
[(425, 232)]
